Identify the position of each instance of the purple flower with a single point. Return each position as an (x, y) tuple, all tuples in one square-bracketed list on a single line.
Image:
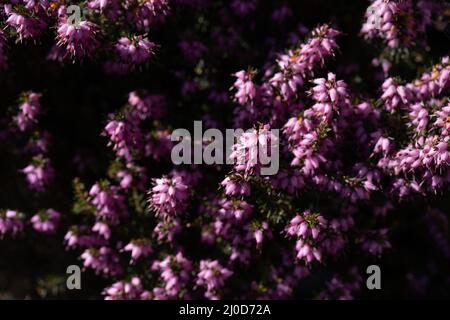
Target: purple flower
[(126, 179), (296, 65), (246, 89), (262, 232), (235, 185), (29, 110), (80, 236), (394, 95), (251, 147), (329, 90), (123, 290), (147, 105), (166, 230), (103, 261), (343, 287), (136, 50), (109, 203), (102, 229), (46, 221), (307, 228), (101, 4), (382, 146), (168, 196), (10, 222), (381, 22), (236, 209), (78, 41), (26, 26), (433, 83), (158, 145), (145, 13), (375, 242), (138, 248), (175, 272), (212, 276), (39, 174), (119, 138)]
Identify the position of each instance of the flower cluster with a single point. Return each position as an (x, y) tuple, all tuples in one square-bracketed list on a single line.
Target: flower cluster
[(307, 228), (10, 222), (399, 22), (175, 272), (80, 33), (168, 196), (46, 222), (212, 276), (127, 291)]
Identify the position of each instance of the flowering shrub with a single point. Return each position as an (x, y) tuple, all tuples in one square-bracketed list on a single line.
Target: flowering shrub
[(359, 92)]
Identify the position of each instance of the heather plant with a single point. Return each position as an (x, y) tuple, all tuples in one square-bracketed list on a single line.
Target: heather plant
[(93, 93)]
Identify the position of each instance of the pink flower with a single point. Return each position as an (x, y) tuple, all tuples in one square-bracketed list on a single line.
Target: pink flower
[(296, 65), (158, 145), (253, 145), (381, 16), (102, 229), (10, 222), (126, 179), (79, 41), (103, 261), (100, 4), (29, 110), (80, 236), (167, 230), (394, 95), (235, 185), (308, 229), (147, 105), (123, 290), (329, 90), (138, 248), (109, 203), (382, 146), (119, 138), (136, 50), (146, 13), (236, 209), (175, 272), (246, 89), (39, 174), (375, 242), (261, 233), (25, 25), (168, 196), (259, 237), (212, 276), (46, 221)]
